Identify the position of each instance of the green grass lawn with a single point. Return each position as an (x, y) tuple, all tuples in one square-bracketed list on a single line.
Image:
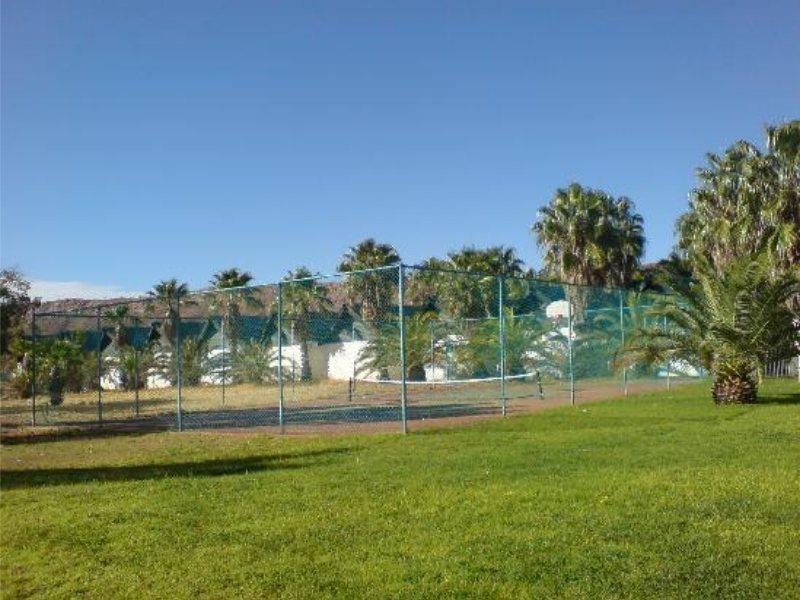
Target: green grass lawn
[(659, 495)]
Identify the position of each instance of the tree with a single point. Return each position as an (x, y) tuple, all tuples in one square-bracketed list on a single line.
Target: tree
[(170, 293), (14, 304), (731, 323), (303, 297), (231, 296), (590, 237), (119, 317), (425, 283), (747, 202), (473, 291), (373, 292), (132, 359), (525, 340), (466, 284), (383, 351)]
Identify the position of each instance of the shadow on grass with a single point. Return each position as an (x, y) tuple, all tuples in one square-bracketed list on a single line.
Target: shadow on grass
[(10, 437), (785, 398), (14, 479)]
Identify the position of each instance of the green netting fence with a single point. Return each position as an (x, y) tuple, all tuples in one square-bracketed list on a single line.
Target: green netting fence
[(388, 349)]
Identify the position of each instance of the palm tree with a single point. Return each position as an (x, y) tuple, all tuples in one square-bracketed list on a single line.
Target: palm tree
[(303, 298), (230, 297), (747, 202), (783, 144), (230, 278), (119, 317), (472, 292), (169, 293), (525, 341), (426, 282), (372, 291), (730, 323), (589, 239), (383, 351)]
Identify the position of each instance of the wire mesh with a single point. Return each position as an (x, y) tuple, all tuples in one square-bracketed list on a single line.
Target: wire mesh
[(379, 349)]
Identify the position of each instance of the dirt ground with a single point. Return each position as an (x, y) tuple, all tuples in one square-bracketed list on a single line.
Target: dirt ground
[(329, 407)]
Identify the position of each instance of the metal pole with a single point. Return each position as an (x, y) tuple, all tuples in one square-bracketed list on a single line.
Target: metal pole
[(622, 342), (502, 333), (33, 370), (569, 348), (99, 370), (136, 380), (178, 365), (669, 362), (280, 355), (401, 317), (433, 355), (222, 333)]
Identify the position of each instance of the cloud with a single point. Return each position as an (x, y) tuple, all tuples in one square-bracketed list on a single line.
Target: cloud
[(60, 290)]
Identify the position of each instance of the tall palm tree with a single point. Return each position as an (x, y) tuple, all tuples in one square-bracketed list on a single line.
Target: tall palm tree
[(119, 316), (747, 201), (169, 293), (303, 298), (589, 239), (373, 291), (783, 144), (230, 278), (731, 323), (231, 296)]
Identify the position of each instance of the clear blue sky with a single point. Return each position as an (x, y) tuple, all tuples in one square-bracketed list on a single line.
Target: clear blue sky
[(147, 139)]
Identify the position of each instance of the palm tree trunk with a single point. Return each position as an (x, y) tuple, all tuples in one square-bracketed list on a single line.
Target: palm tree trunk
[(305, 361), (416, 372), (734, 389)]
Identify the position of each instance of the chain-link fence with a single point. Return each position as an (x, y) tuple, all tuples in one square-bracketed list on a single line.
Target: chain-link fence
[(393, 348)]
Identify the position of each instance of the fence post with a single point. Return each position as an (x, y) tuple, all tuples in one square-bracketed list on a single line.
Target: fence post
[(136, 381), (669, 361), (569, 349), (222, 333), (99, 369), (33, 369), (502, 332), (178, 366), (622, 341), (433, 352), (280, 355), (401, 317)]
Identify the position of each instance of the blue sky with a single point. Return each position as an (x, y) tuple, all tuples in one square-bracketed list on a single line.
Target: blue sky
[(142, 140)]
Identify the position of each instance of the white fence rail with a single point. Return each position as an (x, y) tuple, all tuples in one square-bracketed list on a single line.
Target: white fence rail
[(783, 368)]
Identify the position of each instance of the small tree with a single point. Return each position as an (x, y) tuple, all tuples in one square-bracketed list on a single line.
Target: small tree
[(731, 323), (383, 351), (14, 304)]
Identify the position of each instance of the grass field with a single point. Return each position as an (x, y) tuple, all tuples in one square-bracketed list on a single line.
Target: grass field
[(659, 495)]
